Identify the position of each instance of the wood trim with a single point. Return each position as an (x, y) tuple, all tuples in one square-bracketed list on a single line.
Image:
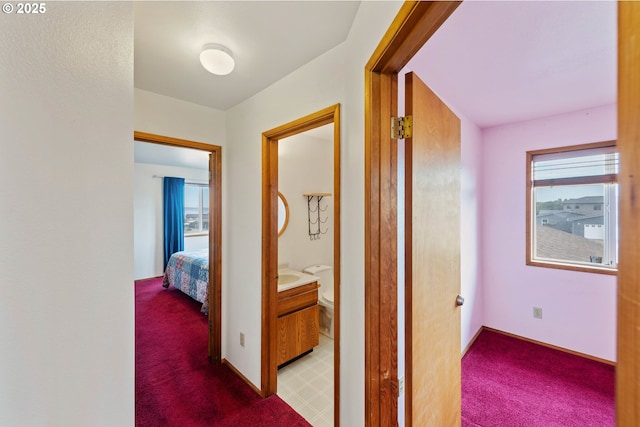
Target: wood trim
[(286, 218), (560, 266), (578, 180), (269, 341), (308, 122), (215, 235), (573, 180), (628, 367), (530, 183), (475, 337), (147, 278), (336, 265), (577, 147), (414, 24), (242, 377), (173, 142), (215, 256), (383, 61), (269, 365), (562, 349), (381, 358), (528, 197)]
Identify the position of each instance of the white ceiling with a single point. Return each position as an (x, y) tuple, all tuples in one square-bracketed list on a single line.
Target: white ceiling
[(497, 62), (268, 39)]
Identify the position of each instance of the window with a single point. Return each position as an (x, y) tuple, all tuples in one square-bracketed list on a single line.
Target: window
[(572, 207), (196, 209)]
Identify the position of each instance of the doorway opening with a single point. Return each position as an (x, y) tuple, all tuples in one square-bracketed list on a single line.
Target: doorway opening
[(272, 324), (415, 23), (214, 235)]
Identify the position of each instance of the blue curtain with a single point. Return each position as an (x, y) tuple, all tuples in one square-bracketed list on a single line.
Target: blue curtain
[(173, 215)]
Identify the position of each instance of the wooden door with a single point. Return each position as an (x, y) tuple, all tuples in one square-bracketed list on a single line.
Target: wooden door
[(432, 238)]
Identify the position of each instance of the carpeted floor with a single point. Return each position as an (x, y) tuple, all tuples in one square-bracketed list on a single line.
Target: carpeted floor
[(508, 382), (176, 385)]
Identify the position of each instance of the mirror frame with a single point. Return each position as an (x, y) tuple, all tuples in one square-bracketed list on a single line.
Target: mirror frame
[(286, 213)]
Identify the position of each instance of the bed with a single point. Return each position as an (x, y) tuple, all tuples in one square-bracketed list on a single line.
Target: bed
[(189, 272)]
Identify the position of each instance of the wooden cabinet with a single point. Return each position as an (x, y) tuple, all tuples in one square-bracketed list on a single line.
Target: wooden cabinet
[(297, 321)]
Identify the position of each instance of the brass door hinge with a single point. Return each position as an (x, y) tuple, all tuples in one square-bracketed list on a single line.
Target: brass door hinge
[(401, 127)]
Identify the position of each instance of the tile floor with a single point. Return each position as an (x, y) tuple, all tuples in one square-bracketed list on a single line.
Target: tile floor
[(307, 384)]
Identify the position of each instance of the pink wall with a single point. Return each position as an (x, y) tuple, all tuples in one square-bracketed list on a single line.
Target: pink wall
[(579, 309)]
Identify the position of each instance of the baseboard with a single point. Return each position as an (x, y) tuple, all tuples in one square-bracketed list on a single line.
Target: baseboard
[(565, 350), (472, 341), (242, 377), (148, 278)]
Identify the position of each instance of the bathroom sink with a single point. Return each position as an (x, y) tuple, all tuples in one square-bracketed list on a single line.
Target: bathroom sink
[(284, 279), (288, 278)]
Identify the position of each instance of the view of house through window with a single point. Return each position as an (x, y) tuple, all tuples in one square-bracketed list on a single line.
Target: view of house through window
[(196, 208), (573, 207)]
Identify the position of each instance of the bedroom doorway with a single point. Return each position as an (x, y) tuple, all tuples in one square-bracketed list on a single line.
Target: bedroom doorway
[(270, 335), (215, 232), (415, 23)]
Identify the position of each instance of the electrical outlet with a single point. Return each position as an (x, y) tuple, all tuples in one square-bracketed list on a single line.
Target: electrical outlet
[(537, 312), (241, 339)]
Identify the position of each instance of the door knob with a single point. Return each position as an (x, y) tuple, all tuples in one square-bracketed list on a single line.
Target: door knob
[(459, 300)]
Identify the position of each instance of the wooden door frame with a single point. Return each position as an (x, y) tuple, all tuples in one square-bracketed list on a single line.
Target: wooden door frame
[(270, 138), (414, 24), (628, 364), (215, 232)]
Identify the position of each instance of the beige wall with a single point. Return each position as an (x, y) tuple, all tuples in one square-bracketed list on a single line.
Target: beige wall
[(67, 119), (335, 77), (66, 191)]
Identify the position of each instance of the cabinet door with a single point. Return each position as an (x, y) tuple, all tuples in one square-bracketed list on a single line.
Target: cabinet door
[(297, 333)]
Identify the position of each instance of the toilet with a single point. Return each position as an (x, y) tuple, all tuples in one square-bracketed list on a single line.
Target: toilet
[(325, 296)]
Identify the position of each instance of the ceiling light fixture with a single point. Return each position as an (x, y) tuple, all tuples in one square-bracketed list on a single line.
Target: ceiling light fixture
[(217, 59)]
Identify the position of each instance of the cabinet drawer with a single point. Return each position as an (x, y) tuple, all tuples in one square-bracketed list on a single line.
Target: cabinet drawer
[(297, 333), (288, 302)]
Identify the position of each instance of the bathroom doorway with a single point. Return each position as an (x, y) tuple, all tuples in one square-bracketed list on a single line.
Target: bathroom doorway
[(305, 243), (304, 180)]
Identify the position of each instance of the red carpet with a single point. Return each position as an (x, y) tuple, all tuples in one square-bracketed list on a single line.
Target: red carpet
[(176, 385), (508, 382)]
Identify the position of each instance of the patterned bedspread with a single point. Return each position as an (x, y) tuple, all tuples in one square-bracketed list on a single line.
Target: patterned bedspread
[(189, 272)]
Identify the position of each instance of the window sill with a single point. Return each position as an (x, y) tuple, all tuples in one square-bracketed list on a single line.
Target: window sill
[(196, 234), (574, 267)]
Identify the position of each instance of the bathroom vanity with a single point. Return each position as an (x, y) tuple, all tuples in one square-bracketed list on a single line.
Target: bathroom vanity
[(297, 324)]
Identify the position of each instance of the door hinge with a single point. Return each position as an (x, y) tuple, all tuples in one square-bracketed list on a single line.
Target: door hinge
[(401, 127)]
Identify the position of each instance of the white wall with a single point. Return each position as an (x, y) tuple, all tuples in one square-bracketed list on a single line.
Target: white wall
[(305, 165), (172, 117), (148, 219), (162, 115), (579, 309), (66, 185), (336, 77), (309, 89)]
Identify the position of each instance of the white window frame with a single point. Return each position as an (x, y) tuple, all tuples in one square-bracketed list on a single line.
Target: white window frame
[(610, 208), (200, 231)]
